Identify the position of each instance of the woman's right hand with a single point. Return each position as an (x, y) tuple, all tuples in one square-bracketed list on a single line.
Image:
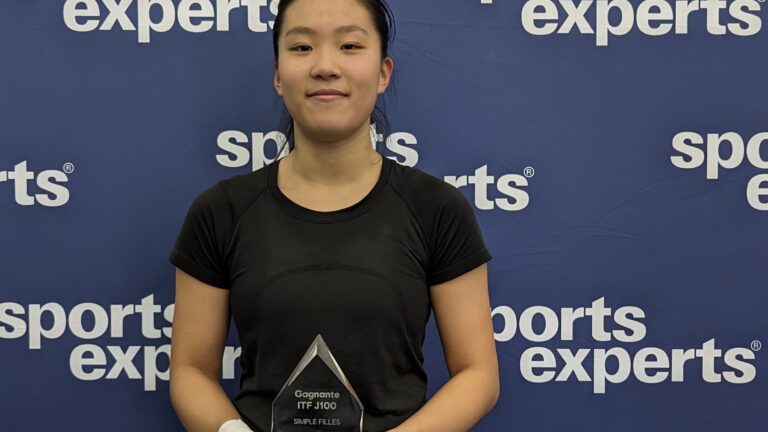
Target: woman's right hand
[(234, 425)]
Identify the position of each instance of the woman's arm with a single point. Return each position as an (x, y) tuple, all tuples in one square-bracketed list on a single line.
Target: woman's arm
[(463, 317), (200, 326)]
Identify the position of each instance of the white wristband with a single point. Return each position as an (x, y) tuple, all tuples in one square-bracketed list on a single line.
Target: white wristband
[(234, 426)]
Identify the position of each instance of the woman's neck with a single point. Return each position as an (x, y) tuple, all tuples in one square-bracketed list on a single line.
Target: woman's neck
[(325, 164)]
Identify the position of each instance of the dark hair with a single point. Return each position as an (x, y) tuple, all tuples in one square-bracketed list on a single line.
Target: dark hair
[(384, 23)]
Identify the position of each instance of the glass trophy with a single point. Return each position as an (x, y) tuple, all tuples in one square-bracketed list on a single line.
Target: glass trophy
[(317, 396)]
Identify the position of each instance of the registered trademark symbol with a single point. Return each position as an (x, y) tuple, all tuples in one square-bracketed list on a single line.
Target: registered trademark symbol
[(529, 172), (69, 168), (756, 345)]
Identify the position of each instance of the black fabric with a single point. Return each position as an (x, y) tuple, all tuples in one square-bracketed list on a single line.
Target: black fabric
[(360, 276)]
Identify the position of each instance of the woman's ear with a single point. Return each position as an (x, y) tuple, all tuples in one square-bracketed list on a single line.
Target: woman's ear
[(387, 66), (276, 82)]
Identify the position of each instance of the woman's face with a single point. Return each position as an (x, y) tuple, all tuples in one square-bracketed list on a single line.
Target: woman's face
[(330, 45)]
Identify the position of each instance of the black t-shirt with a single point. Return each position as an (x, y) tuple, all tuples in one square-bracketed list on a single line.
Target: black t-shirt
[(359, 276)]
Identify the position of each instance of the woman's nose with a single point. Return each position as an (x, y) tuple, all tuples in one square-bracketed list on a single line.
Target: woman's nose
[(325, 65)]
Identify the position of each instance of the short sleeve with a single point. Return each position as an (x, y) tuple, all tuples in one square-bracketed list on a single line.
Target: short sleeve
[(200, 246), (457, 244)]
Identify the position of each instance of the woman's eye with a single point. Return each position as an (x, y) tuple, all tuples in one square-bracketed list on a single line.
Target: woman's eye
[(301, 48)]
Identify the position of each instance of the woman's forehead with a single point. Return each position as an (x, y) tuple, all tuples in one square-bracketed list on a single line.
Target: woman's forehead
[(331, 16)]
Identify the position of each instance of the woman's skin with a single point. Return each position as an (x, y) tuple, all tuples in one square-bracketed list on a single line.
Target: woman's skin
[(332, 166)]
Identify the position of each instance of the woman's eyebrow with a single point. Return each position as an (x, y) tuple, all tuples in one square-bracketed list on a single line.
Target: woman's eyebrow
[(340, 30)]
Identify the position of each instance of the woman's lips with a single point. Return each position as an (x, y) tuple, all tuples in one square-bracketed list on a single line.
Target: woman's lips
[(327, 97)]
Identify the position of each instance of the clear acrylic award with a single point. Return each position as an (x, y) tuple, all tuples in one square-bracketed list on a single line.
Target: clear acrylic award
[(317, 396)]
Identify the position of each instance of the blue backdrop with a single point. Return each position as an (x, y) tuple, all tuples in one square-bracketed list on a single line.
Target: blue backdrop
[(616, 153)]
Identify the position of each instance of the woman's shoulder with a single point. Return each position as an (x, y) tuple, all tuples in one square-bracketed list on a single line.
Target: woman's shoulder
[(414, 180), (245, 185), (424, 192), (233, 194)]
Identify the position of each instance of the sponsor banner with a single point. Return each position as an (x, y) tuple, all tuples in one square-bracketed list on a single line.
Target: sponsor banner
[(615, 153)]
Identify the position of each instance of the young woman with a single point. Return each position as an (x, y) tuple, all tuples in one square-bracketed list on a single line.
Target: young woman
[(332, 239)]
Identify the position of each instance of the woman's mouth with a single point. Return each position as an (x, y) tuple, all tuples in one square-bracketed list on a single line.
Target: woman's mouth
[(326, 97), (327, 94)]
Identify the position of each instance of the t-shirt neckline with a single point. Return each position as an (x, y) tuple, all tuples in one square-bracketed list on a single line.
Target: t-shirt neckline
[(346, 213)]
